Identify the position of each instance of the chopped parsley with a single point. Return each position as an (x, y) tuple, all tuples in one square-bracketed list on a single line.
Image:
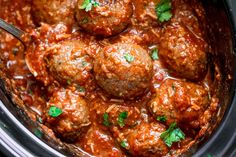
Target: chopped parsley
[(124, 144), (84, 63), (38, 133), (155, 54), (163, 10), (161, 118), (172, 134), (68, 82), (88, 4), (55, 111), (122, 117), (106, 121), (80, 88), (129, 58), (40, 120)]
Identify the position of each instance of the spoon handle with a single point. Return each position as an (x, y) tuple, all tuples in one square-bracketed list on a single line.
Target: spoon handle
[(12, 30)]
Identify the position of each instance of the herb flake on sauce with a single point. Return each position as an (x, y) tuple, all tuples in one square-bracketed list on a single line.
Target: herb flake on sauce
[(106, 121), (129, 58), (172, 134), (88, 4), (163, 10), (161, 118), (55, 111), (155, 54), (121, 118)]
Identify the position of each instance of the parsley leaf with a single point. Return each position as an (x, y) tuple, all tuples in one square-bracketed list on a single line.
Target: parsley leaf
[(155, 54), (165, 16), (80, 88), (38, 133), (161, 118), (124, 144), (106, 121), (88, 4), (163, 10), (55, 111), (172, 134), (122, 117), (129, 58)]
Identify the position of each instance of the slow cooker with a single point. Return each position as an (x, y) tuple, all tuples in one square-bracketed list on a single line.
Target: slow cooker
[(19, 136)]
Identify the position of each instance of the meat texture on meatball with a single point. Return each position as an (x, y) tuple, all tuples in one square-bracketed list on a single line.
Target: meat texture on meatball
[(181, 102), (69, 62), (144, 140), (53, 11), (74, 118), (108, 18), (123, 70), (183, 52)]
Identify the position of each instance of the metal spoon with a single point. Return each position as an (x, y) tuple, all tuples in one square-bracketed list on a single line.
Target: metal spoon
[(12, 30)]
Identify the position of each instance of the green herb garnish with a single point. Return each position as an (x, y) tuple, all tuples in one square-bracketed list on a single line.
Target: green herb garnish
[(161, 118), (40, 120), (84, 63), (122, 117), (38, 133), (106, 121), (68, 82), (54, 111), (173, 134), (80, 88), (163, 10), (155, 54), (88, 4), (124, 144), (129, 58)]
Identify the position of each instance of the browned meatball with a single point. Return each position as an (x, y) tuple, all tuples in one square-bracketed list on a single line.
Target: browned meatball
[(181, 102), (69, 62), (109, 18), (123, 70), (100, 143), (144, 140), (74, 119), (53, 11), (183, 52)]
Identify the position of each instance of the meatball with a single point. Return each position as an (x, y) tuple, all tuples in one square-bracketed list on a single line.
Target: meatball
[(100, 143), (144, 140), (53, 11), (181, 102), (123, 70), (183, 52), (68, 62), (74, 119), (109, 18)]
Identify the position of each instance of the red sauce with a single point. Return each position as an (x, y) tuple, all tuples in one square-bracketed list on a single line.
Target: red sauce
[(97, 65)]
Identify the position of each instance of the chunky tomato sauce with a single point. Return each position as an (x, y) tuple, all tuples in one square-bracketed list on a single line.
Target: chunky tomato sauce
[(114, 78)]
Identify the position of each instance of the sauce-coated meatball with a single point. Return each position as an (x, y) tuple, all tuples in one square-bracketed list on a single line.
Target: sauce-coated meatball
[(183, 52), (100, 143), (144, 140), (109, 18), (74, 119), (68, 61), (123, 70), (53, 11), (181, 102)]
